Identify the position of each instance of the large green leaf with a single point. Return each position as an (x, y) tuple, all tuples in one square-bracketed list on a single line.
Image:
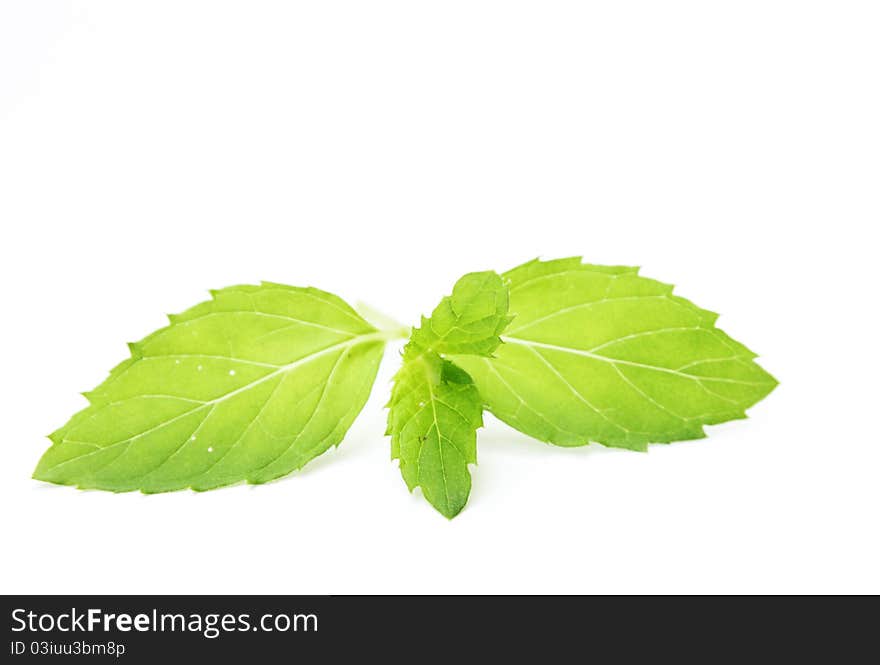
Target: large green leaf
[(435, 410), (245, 387), (601, 354)]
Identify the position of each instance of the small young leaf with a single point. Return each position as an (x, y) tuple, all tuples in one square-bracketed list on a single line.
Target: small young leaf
[(601, 354), (435, 410), (470, 320), (247, 386), (434, 415)]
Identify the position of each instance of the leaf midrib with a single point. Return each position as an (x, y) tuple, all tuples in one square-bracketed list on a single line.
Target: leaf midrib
[(631, 363), (439, 437)]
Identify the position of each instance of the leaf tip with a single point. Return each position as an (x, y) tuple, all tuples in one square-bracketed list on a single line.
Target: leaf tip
[(41, 471), (451, 512)]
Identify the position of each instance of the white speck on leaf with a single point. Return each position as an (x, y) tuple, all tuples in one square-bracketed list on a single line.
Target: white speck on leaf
[(232, 372)]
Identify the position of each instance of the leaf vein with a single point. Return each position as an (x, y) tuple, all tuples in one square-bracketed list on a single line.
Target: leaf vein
[(596, 356), (576, 392)]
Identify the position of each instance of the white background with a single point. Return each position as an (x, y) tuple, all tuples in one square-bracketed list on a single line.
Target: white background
[(150, 151)]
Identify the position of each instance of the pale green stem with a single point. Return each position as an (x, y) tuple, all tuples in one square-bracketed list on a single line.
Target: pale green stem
[(393, 329)]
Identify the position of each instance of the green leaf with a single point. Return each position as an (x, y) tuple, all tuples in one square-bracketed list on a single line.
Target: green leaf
[(245, 387), (470, 320), (435, 410), (434, 414), (598, 353)]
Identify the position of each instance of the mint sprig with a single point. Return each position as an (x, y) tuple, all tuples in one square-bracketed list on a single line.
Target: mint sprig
[(259, 380)]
